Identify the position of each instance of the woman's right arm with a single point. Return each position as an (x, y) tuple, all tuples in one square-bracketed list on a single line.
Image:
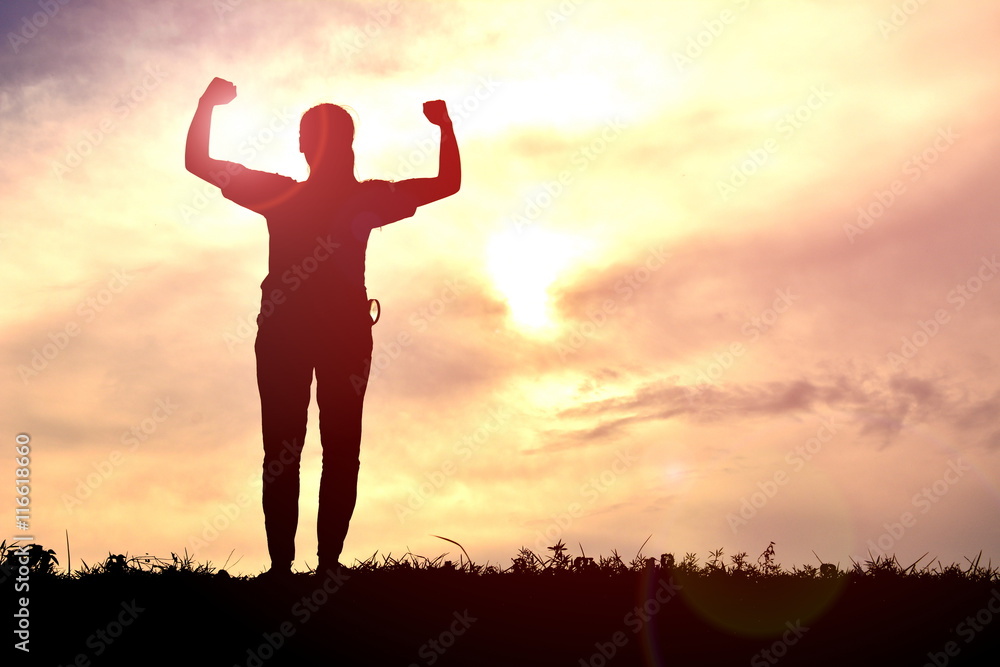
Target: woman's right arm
[(196, 157), (421, 191)]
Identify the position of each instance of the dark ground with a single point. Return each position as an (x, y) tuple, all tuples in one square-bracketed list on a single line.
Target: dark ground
[(443, 617)]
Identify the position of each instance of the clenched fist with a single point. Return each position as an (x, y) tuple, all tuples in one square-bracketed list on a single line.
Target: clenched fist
[(437, 112), (218, 92)]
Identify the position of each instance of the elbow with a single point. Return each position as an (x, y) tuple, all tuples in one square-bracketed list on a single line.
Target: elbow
[(442, 189), (196, 166)]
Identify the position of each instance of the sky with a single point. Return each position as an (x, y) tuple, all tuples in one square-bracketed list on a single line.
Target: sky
[(720, 274)]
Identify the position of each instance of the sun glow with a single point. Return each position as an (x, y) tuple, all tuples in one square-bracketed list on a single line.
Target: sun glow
[(524, 264)]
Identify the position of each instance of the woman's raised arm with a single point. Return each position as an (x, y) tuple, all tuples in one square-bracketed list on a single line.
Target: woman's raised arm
[(449, 179), (196, 157)]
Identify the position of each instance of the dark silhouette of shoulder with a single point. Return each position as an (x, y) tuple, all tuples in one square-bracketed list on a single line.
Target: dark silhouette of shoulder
[(378, 202)]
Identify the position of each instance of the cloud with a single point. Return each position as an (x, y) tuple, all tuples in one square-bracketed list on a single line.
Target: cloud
[(760, 301), (878, 406)]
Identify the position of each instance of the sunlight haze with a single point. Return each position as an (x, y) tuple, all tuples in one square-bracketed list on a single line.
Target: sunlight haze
[(719, 274)]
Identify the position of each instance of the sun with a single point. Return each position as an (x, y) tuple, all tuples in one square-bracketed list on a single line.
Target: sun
[(523, 264), (256, 135)]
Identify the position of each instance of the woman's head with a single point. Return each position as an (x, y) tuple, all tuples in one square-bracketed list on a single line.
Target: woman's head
[(326, 138)]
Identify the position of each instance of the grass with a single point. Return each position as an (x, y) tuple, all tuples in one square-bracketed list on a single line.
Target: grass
[(43, 562), (550, 608)]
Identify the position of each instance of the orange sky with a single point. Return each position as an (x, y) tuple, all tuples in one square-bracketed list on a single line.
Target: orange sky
[(719, 272)]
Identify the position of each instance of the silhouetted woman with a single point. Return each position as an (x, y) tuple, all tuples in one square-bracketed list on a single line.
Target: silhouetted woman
[(314, 306)]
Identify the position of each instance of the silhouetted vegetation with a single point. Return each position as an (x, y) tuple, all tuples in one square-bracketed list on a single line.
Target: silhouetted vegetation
[(547, 609)]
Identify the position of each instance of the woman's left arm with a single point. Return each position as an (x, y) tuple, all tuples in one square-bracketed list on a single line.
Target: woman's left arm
[(449, 179)]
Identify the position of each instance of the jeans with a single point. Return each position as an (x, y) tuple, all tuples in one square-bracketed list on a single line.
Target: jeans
[(292, 343)]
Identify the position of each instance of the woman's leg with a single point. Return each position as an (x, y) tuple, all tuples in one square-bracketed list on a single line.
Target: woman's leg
[(341, 381), (284, 376)]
